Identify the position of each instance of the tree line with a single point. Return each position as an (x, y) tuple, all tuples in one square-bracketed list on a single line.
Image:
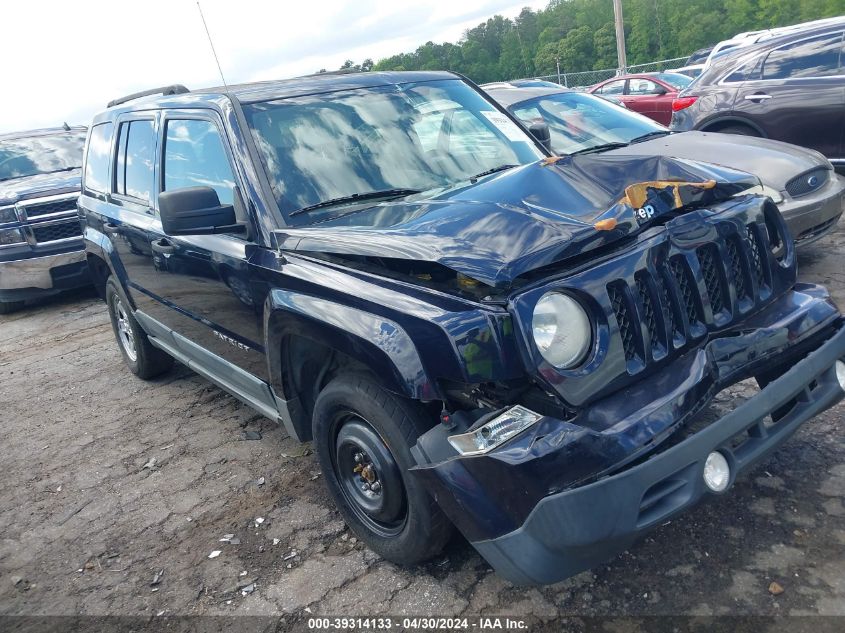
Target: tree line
[(580, 35)]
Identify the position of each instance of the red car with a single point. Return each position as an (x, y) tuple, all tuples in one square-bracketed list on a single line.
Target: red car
[(650, 94)]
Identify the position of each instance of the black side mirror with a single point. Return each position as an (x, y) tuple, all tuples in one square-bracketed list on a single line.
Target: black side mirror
[(196, 211), (659, 90), (540, 131)]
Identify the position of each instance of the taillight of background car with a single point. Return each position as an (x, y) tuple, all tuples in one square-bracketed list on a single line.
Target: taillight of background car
[(679, 103)]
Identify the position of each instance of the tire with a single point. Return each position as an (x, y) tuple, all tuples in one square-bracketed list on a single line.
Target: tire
[(7, 307), (399, 521), (741, 130), (143, 360)]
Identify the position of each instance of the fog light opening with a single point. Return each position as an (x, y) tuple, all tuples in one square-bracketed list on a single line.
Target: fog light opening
[(717, 473), (840, 374)]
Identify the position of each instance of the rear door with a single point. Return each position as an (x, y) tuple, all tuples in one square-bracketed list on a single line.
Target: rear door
[(797, 94), (649, 98)]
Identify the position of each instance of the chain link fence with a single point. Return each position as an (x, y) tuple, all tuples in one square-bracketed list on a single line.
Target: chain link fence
[(590, 77)]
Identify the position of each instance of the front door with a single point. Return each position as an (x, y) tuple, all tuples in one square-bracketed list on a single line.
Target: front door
[(200, 286)]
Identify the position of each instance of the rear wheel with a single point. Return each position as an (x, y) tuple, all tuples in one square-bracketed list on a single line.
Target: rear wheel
[(144, 360), (363, 435), (7, 307), (742, 130)]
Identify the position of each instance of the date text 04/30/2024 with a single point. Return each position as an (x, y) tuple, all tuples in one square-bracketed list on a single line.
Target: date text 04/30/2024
[(421, 623)]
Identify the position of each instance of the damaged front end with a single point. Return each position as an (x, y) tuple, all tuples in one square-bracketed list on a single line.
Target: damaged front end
[(671, 282), (706, 301)]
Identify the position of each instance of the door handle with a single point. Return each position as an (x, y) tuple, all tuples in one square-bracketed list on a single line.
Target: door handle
[(110, 228), (757, 97), (163, 247)]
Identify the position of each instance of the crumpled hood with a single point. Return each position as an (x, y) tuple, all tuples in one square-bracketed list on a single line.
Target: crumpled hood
[(11, 191), (524, 218), (774, 162)]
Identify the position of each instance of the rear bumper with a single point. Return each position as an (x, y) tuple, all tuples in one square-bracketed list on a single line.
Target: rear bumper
[(27, 278), (576, 529), (812, 217)]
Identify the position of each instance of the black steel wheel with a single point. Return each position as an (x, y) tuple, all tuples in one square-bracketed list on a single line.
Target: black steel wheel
[(363, 435), (369, 476)]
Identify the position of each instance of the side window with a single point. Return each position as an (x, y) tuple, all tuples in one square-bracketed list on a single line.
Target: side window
[(749, 71), (135, 160), (528, 114), (613, 88), (641, 87), (97, 157), (194, 156), (817, 57)]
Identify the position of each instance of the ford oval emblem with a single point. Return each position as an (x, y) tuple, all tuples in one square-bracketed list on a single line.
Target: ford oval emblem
[(813, 181)]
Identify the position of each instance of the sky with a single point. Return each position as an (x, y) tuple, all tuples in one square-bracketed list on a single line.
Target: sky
[(65, 60)]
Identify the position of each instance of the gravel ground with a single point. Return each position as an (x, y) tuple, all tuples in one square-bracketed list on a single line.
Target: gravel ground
[(90, 524)]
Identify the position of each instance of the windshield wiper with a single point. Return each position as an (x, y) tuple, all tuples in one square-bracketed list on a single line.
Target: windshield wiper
[(491, 171), (598, 148), (356, 197), (648, 135), (41, 173)]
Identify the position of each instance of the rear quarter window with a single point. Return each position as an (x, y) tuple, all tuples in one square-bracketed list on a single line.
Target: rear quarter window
[(97, 154)]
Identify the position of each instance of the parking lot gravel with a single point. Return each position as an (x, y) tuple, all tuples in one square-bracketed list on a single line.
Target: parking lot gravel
[(116, 492)]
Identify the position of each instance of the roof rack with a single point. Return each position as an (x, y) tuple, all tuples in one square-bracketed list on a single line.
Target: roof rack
[(175, 89)]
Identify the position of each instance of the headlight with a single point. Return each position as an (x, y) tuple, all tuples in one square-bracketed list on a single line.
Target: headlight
[(561, 330), (11, 236), (7, 214), (497, 431)]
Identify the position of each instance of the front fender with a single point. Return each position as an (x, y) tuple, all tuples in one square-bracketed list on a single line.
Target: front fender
[(379, 343), (99, 245)]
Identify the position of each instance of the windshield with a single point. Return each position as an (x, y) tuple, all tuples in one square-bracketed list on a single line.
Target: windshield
[(34, 155), (676, 80), (416, 136), (579, 121)]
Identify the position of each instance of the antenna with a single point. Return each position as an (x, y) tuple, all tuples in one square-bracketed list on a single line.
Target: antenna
[(213, 52)]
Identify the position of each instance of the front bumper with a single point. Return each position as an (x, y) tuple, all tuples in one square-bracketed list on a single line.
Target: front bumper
[(533, 510), (27, 278), (576, 529), (814, 216)]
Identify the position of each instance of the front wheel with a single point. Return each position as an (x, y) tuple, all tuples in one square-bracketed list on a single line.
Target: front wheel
[(144, 360), (363, 435)]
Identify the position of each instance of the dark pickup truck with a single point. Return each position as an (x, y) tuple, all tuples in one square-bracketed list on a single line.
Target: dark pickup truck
[(472, 332), (41, 249)]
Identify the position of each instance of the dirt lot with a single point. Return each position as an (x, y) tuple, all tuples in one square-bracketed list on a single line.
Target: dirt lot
[(90, 524)]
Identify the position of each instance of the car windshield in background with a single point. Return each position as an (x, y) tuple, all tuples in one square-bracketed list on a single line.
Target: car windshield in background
[(676, 80), (580, 121), (35, 155), (346, 146)]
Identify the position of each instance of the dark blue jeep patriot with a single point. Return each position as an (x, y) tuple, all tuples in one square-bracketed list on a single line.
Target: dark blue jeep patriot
[(41, 249), (473, 333)]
